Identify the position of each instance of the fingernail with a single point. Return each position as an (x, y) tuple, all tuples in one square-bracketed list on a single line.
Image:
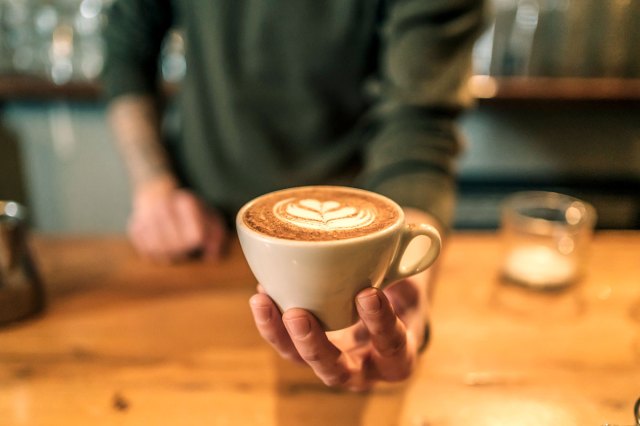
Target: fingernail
[(298, 327), (369, 301), (261, 313)]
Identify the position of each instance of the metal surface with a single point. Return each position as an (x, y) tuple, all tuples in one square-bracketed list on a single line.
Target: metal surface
[(21, 290)]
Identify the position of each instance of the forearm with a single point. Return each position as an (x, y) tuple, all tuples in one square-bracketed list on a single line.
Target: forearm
[(135, 122), (426, 58)]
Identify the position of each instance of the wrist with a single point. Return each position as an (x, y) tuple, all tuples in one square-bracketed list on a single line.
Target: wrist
[(419, 321), (159, 185)]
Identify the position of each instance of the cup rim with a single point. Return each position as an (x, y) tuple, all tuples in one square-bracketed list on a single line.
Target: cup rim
[(513, 204), (373, 235)]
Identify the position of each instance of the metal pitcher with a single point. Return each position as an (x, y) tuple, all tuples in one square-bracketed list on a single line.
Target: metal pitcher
[(21, 290)]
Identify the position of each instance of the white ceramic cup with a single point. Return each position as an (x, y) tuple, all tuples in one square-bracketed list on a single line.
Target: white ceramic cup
[(324, 277)]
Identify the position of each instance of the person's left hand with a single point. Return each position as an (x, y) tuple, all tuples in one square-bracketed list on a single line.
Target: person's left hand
[(382, 346), (171, 224)]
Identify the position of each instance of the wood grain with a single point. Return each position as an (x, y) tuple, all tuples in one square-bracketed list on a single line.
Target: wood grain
[(124, 342)]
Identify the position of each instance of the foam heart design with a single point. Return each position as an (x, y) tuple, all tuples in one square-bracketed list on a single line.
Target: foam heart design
[(323, 215)]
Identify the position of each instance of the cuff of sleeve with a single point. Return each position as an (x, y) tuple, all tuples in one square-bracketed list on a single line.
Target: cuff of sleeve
[(124, 80)]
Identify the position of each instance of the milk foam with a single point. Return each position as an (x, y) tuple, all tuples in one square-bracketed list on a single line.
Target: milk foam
[(323, 215)]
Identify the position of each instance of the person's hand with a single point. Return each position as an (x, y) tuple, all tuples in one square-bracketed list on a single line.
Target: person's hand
[(382, 346), (170, 224)]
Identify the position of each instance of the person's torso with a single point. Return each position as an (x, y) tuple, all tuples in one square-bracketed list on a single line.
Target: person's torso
[(274, 90)]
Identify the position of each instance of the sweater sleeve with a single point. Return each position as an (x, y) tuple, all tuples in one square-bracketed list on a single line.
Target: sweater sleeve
[(133, 36), (425, 63)]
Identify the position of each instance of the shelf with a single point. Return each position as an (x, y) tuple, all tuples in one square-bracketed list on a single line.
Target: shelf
[(20, 87), (552, 88), (30, 88)]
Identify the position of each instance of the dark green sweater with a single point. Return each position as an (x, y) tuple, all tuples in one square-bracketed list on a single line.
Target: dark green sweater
[(282, 93)]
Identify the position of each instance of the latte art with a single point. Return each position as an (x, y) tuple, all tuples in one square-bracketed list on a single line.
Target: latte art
[(320, 213), (323, 215)]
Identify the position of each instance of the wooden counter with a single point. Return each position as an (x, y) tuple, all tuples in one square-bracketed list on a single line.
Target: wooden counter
[(128, 343)]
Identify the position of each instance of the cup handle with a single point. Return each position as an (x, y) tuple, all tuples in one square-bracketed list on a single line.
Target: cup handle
[(397, 270)]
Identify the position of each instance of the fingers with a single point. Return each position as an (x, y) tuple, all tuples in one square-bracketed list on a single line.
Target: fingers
[(145, 240), (215, 237), (190, 219), (394, 356), (298, 336), (383, 350), (269, 323), (314, 348), (403, 296), (173, 227), (153, 230)]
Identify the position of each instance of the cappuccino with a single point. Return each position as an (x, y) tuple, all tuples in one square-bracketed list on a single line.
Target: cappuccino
[(320, 213)]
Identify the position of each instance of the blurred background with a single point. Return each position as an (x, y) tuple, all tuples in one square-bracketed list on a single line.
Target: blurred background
[(557, 83)]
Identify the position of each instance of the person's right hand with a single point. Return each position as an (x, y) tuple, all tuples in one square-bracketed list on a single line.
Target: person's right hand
[(170, 224)]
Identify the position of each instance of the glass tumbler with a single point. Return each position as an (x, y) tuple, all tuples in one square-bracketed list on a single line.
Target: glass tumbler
[(546, 237)]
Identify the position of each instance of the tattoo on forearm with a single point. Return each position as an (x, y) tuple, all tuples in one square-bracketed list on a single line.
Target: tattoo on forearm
[(136, 124)]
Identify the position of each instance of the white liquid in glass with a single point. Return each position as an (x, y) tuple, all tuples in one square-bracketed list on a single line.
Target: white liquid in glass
[(539, 266)]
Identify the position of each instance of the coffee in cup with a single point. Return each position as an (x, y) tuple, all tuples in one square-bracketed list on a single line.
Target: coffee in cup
[(320, 214), (316, 247)]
